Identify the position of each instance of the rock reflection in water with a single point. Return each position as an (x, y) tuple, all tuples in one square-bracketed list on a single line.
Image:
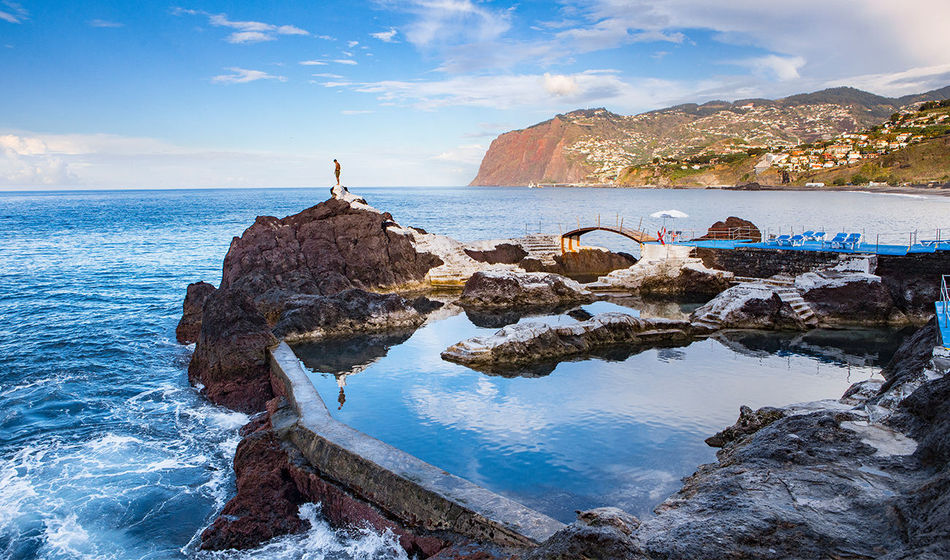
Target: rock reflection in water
[(853, 347), (344, 356)]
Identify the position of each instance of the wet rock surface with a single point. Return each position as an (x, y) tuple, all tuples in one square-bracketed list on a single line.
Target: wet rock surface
[(497, 289), (274, 479), (351, 311), (750, 306), (190, 324), (848, 298), (812, 482), (668, 271), (531, 343)]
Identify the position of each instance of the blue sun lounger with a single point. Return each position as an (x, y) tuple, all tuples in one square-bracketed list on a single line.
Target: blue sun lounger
[(837, 242), (853, 241), (784, 239), (797, 240)]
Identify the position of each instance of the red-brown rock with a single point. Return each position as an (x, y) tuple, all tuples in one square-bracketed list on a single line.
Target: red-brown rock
[(733, 228), (190, 324)]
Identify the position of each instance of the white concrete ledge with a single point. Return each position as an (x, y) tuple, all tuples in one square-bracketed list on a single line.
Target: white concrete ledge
[(411, 490)]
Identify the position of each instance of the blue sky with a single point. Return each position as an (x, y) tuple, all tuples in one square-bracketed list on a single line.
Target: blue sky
[(217, 94)]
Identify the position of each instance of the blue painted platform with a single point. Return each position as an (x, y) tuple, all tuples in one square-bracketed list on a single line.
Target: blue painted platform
[(864, 248), (943, 324)]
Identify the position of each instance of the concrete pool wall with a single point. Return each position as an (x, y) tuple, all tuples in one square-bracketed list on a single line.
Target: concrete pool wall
[(411, 490)]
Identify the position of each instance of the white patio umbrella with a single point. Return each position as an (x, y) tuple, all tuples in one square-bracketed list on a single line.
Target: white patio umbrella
[(672, 214)]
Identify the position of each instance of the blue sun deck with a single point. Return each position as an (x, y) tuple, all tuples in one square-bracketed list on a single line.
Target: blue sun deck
[(864, 248), (943, 323)]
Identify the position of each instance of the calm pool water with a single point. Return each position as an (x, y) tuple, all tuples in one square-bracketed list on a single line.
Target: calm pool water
[(616, 430)]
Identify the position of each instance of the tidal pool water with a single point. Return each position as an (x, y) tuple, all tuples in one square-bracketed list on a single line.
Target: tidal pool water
[(619, 429)]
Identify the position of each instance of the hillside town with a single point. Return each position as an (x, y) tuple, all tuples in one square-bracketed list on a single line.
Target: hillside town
[(902, 129)]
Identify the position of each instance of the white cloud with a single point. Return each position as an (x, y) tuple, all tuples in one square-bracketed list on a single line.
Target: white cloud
[(906, 82), (385, 36), (540, 92), (560, 85), (105, 23), (345, 61), (13, 12), (27, 161), (243, 76), (351, 44), (246, 31), (467, 154), (328, 75), (249, 37), (313, 63), (454, 22), (773, 66)]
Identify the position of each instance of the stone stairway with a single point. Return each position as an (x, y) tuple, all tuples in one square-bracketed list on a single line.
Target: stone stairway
[(541, 247), (794, 299)]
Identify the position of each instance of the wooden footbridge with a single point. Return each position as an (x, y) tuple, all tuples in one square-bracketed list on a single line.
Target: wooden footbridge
[(570, 241)]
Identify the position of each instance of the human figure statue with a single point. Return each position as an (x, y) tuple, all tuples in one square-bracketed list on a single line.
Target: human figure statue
[(336, 171)]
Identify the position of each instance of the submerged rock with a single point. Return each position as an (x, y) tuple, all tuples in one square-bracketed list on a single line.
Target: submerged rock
[(513, 289), (598, 533), (528, 343)]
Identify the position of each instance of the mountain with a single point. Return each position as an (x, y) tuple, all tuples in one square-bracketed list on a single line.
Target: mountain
[(596, 145)]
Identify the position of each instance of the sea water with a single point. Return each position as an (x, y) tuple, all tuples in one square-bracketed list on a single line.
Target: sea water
[(106, 451)]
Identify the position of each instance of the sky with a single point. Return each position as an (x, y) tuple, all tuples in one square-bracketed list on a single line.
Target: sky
[(194, 94)]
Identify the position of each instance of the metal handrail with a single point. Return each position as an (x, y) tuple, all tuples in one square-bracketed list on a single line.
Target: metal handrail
[(945, 298)]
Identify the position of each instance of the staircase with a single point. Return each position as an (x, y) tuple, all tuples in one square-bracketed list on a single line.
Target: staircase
[(781, 285), (541, 247), (798, 305)]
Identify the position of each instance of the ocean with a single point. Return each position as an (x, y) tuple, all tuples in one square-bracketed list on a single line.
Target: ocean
[(105, 449)]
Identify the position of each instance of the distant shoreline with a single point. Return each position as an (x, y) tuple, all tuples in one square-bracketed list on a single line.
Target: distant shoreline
[(938, 190)]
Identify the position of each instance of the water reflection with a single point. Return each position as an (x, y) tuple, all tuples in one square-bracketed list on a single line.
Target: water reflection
[(619, 428), (856, 347), (345, 356)]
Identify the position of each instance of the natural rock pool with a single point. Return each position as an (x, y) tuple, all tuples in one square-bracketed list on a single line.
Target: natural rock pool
[(615, 429)]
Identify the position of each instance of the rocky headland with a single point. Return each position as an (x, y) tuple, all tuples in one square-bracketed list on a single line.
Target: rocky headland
[(861, 477)]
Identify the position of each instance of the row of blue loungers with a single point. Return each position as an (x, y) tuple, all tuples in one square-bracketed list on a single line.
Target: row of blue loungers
[(839, 241)]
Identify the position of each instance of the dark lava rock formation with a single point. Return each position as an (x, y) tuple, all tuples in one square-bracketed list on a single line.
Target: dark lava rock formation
[(190, 324), (821, 481), (733, 228), (585, 261), (303, 275), (513, 289), (531, 343)]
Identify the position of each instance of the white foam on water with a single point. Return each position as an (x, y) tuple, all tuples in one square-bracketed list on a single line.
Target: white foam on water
[(66, 536), (320, 542), (904, 195)]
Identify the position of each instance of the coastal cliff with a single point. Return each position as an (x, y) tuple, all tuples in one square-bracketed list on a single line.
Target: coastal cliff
[(658, 148)]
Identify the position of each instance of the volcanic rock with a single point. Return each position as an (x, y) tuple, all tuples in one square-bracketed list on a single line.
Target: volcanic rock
[(586, 261), (598, 533), (323, 250), (749, 422), (230, 355), (190, 324), (668, 270), (285, 276), (351, 311), (750, 306), (848, 298), (733, 228), (511, 289), (503, 253), (527, 343)]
